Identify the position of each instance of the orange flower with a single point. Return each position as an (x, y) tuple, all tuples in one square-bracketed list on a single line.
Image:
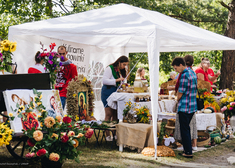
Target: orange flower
[(142, 112), (54, 136), (49, 122), (80, 135), (54, 157), (59, 118), (76, 143), (38, 135), (71, 133)]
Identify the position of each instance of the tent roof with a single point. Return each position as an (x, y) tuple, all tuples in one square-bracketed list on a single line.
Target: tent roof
[(123, 25)]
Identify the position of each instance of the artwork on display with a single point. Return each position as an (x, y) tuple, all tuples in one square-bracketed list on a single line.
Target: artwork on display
[(22, 97), (82, 105), (51, 100)]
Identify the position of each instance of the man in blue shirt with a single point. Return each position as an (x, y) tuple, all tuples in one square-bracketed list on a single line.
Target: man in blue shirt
[(187, 103)]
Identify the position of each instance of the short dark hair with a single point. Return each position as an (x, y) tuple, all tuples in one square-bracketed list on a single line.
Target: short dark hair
[(38, 58), (62, 46), (188, 60), (177, 61)]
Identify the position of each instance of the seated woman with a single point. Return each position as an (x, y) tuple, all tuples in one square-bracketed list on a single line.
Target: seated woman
[(202, 72), (172, 76), (37, 68)]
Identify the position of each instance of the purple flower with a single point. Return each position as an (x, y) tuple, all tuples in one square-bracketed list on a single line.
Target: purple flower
[(50, 57), (60, 64), (50, 62), (55, 65), (62, 58), (0, 54)]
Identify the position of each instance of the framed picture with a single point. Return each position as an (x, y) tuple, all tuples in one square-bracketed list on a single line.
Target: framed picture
[(82, 104), (20, 97)]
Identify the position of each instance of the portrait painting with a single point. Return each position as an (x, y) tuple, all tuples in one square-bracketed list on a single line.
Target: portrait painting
[(82, 105)]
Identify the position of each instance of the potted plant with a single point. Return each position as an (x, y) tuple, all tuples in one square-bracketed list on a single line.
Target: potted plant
[(56, 139)]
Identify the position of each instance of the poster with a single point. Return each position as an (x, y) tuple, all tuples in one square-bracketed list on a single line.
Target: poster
[(82, 105), (50, 99)]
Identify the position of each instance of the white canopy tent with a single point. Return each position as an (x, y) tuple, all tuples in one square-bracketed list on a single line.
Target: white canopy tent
[(120, 29)]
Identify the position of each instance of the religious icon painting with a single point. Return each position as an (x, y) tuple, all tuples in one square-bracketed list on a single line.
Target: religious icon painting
[(82, 105)]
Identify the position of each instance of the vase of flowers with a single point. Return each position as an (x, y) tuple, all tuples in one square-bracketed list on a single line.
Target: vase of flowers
[(56, 139), (227, 104), (143, 114), (51, 62), (6, 49)]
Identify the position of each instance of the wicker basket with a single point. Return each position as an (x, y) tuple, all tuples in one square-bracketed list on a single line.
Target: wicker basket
[(205, 142), (215, 133)]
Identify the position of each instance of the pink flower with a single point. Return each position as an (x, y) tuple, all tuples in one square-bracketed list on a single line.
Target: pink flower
[(45, 68), (64, 138), (29, 155), (223, 109), (50, 62), (230, 108), (232, 103), (67, 120)]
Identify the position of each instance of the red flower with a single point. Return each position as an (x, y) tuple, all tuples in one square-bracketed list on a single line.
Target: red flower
[(41, 152), (89, 133), (64, 138), (30, 143), (67, 120), (52, 46)]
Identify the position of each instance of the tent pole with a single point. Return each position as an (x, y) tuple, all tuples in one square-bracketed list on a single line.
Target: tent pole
[(153, 59)]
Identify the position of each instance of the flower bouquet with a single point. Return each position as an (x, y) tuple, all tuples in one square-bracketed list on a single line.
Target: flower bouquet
[(227, 104), (51, 62), (143, 114), (6, 49), (57, 138), (5, 134), (209, 100)]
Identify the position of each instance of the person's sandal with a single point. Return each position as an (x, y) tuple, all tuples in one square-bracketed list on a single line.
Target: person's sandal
[(187, 156)]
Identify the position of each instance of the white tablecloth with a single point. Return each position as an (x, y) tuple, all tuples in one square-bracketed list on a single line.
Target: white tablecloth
[(118, 100)]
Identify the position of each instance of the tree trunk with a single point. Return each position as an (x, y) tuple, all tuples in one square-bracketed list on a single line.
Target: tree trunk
[(49, 7), (228, 59)]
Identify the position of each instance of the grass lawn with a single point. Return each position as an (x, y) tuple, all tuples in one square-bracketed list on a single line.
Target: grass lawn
[(104, 156)]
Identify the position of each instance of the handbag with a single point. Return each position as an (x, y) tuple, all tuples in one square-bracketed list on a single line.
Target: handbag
[(200, 102)]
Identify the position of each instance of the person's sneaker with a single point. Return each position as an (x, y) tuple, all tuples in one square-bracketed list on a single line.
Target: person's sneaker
[(194, 148), (180, 148), (109, 138)]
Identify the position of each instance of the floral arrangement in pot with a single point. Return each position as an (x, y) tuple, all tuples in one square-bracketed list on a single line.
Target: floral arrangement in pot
[(57, 138), (143, 114), (227, 104)]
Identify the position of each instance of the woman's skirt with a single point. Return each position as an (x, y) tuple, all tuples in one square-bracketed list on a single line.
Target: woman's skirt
[(106, 91)]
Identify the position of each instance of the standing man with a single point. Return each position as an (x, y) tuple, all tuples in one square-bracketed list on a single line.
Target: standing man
[(67, 72), (187, 104)]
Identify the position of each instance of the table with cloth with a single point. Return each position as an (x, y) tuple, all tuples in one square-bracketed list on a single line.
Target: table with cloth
[(118, 100)]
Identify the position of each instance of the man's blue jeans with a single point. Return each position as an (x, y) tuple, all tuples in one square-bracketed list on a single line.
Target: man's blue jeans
[(63, 100)]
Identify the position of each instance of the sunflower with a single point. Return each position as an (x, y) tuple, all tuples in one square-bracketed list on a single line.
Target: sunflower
[(13, 47), (5, 134), (6, 45)]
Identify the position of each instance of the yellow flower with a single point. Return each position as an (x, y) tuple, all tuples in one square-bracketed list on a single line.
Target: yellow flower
[(30, 108), (228, 106), (33, 105), (40, 97), (92, 92), (38, 135), (49, 122), (39, 116), (231, 99), (10, 115), (54, 157), (22, 108), (74, 95), (41, 124), (84, 79), (80, 135), (39, 103), (77, 118), (65, 115), (6, 46), (223, 100), (13, 47)]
